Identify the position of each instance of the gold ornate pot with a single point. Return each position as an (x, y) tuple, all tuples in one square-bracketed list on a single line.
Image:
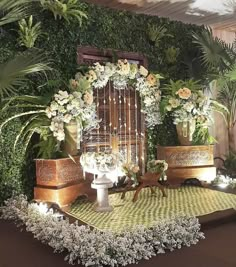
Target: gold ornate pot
[(185, 132), (72, 138)]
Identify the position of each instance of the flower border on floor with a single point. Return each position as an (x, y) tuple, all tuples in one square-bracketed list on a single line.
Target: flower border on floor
[(92, 247)]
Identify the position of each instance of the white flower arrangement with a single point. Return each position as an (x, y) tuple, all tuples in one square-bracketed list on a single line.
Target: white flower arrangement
[(186, 105), (92, 247), (158, 166), (67, 107), (96, 162), (131, 170), (124, 74)]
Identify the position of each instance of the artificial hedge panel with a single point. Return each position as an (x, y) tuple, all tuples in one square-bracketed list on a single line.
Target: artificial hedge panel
[(105, 28)]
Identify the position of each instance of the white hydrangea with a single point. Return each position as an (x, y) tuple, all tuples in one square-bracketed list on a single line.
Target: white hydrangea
[(67, 107)]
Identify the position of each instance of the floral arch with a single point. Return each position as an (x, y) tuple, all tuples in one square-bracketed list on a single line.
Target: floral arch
[(78, 105)]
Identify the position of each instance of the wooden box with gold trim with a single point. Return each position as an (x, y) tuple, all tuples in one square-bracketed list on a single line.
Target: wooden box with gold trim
[(188, 162), (61, 181)]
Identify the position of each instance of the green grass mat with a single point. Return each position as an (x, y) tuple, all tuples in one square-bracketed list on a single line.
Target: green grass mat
[(190, 201)]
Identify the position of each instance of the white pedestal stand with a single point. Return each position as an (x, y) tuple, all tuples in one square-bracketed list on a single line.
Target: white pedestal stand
[(101, 184)]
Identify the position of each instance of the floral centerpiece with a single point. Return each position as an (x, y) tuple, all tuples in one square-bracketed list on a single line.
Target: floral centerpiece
[(96, 162), (190, 109), (158, 166), (124, 74), (131, 170)]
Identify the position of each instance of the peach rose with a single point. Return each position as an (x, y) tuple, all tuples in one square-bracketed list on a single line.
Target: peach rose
[(74, 84), (151, 79), (184, 93), (88, 98)]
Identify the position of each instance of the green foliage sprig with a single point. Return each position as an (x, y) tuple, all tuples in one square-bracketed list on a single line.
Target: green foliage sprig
[(14, 72), (28, 33), (172, 54), (68, 9), (157, 33)]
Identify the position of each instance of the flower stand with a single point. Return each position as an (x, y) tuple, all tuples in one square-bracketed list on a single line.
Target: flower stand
[(101, 184)]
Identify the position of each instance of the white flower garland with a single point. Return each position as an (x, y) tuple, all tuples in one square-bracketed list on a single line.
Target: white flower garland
[(123, 74), (91, 247)]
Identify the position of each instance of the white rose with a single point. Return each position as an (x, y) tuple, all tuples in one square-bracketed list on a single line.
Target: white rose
[(67, 118), (60, 135), (168, 108), (143, 71), (188, 106)]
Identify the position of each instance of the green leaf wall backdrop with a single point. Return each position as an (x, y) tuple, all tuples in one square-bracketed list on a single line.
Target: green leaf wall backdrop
[(104, 28)]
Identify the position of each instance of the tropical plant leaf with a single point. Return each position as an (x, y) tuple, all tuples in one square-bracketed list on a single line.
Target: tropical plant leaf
[(172, 54), (34, 121), (13, 73), (216, 53), (157, 33), (231, 74), (20, 115), (68, 9), (13, 10), (22, 129), (172, 87), (28, 33)]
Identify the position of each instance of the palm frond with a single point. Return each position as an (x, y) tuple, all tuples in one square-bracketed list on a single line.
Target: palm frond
[(13, 10), (215, 52), (13, 73), (231, 74)]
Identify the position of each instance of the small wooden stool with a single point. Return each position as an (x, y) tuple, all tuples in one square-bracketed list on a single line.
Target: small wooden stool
[(148, 179)]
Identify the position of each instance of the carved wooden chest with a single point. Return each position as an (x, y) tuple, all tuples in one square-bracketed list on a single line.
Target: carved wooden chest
[(188, 162), (61, 181)]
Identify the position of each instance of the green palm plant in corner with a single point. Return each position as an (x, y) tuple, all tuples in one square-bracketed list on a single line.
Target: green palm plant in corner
[(68, 9), (28, 33), (220, 58), (217, 55)]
